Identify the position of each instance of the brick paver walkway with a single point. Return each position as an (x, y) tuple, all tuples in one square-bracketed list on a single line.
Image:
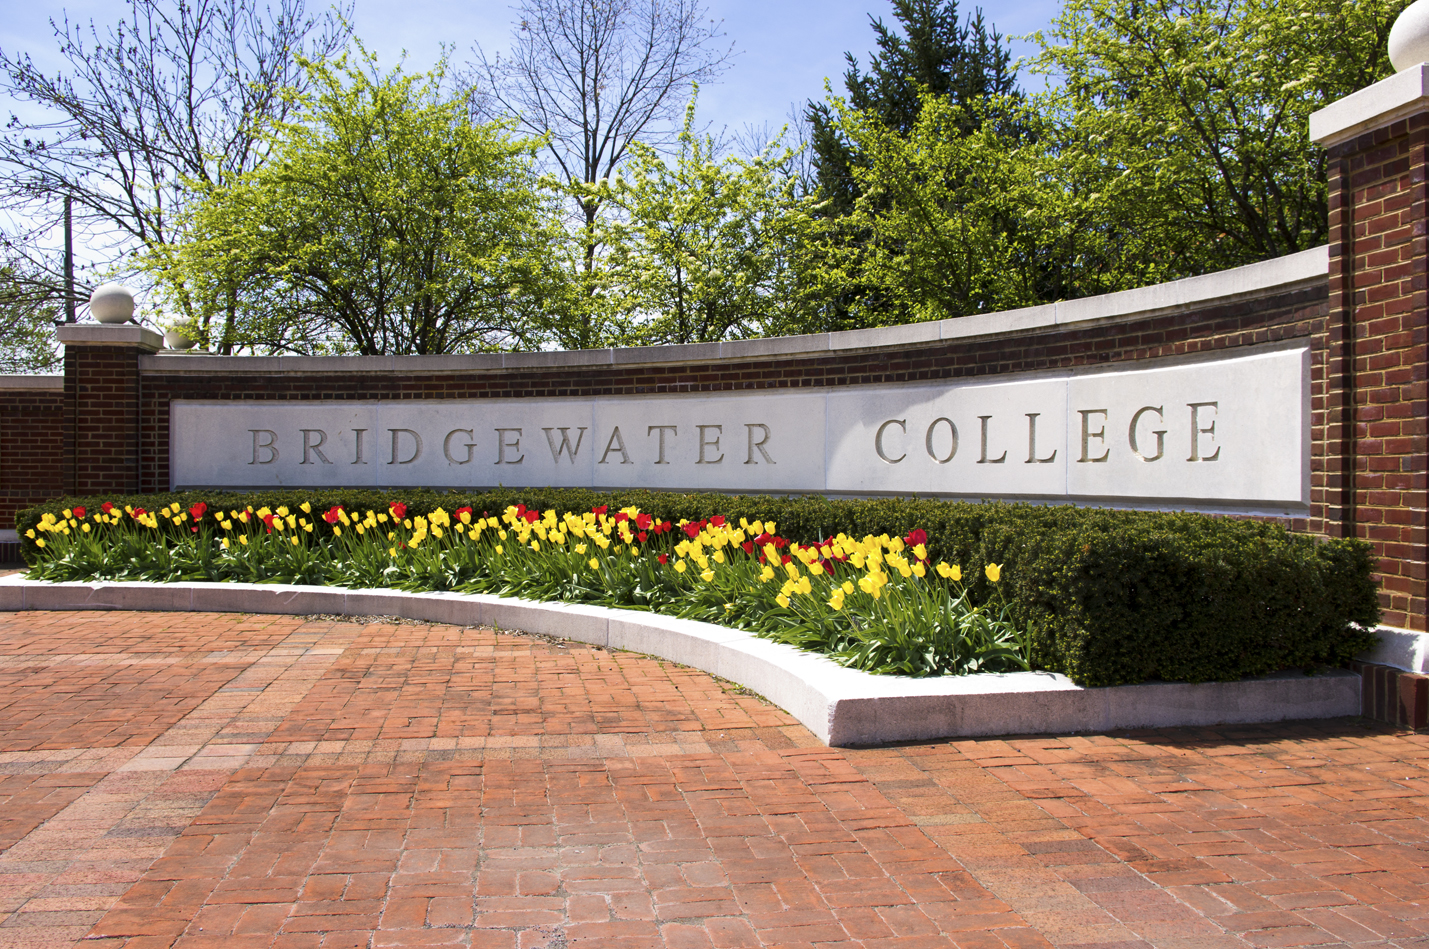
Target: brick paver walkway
[(206, 780)]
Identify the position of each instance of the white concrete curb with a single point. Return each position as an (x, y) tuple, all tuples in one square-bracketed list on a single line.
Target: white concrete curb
[(1403, 649), (841, 706)]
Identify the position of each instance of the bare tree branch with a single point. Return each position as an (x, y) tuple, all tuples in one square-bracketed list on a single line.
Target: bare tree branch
[(593, 76), (171, 99)]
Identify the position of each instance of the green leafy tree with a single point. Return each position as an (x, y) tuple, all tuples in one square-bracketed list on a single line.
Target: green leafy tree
[(1205, 106), (704, 248), (593, 78), (960, 58), (27, 332), (385, 221), (957, 217)]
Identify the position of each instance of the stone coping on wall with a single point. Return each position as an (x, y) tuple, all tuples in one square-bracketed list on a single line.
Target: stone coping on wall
[(109, 334), (841, 706), (1306, 268), (32, 382), (1371, 108), (1402, 649)]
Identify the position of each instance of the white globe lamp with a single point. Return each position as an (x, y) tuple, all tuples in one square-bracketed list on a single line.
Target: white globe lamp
[(112, 303), (174, 339), (1409, 37)]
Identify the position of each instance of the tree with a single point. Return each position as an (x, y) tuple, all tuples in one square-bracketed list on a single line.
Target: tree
[(703, 248), (956, 217), (27, 332), (961, 59), (175, 96), (1206, 107), (594, 77), (384, 222)]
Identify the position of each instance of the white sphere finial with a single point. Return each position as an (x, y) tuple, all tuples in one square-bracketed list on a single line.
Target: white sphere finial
[(112, 303), (1409, 37)]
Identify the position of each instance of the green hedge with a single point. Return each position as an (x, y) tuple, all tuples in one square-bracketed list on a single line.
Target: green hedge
[(1111, 597)]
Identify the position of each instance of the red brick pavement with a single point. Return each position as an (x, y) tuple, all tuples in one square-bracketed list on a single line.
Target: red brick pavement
[(413, 785)]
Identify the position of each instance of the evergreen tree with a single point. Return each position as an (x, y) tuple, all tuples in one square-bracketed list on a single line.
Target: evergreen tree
[(965, 60)]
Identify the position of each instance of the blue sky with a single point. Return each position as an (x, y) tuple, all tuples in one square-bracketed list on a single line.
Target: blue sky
[(785, 47)]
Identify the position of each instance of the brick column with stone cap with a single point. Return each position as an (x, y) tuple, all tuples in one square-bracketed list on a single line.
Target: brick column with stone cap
[(1377, 464), (102, 389)]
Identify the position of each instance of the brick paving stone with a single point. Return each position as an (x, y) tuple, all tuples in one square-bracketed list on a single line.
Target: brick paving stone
[(206, 780)]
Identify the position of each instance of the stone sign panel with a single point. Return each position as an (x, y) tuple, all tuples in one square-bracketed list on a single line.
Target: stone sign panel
[(1219, 432)]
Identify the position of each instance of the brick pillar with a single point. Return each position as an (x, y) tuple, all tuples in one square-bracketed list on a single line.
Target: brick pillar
[(1376, 141), (101, 405)]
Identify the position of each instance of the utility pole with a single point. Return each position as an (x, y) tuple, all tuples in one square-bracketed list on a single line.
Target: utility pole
[(69, 263)]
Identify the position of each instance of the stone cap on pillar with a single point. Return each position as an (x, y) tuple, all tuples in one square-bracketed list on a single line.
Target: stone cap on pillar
[(1404, 94), (129, 335)]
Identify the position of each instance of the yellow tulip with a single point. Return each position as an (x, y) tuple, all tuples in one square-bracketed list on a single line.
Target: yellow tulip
[(994, 572), (294, 539), (498, 548), (782, 600), (594, 563), (837, 600), (679, 566), (243, 539), (40, 542), (707, 575)]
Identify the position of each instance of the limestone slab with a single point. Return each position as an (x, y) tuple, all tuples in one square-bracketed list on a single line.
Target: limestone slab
[(1214, 431)]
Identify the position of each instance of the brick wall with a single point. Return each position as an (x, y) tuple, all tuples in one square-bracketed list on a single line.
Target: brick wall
[(1275, 316), (112, 430), (101, 419), (1377, 267), (31, 448)]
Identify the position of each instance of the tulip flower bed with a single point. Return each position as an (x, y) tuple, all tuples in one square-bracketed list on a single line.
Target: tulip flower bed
[(1107, 597), (876, 603)]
